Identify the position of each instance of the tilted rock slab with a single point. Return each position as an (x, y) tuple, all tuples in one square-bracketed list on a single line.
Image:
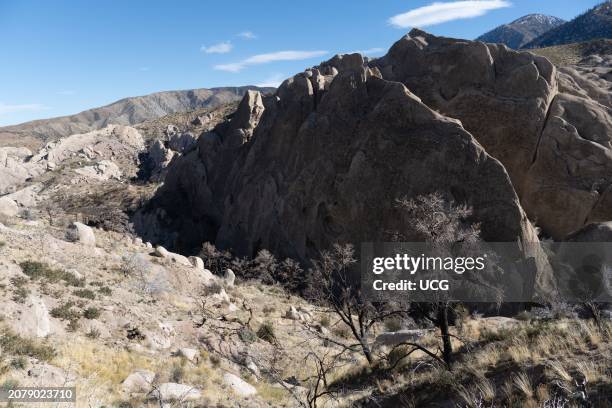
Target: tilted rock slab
[(551, 130)]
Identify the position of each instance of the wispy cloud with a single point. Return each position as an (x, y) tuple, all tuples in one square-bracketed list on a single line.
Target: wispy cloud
[(28, 107), (269, 57), (369, 51), (66, 92), (437, 13), (272, 81), (220, 48), (144, 69), (247, 35)]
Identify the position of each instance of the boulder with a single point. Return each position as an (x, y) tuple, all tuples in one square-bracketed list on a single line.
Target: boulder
[(238, 385), (229, 278), (188, 353), (8, 207), (36, 321), (139, 381), (161, 252), (79, 232), (174, 392), (49, 375)]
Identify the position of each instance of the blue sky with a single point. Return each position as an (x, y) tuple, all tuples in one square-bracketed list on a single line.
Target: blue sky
[(62, 57)]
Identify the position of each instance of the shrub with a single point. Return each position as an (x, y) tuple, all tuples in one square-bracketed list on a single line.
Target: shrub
[(39, 270), (266, 332), (93, 333), (91, 313), (20, 294), (65, 312), (247, 335), (269, 309), (393, 324), (13, 344), (265, 266), (325, 321), (85, 293), (105, 290), (215, 260), (214, 360), (19, 363), (177, 374)]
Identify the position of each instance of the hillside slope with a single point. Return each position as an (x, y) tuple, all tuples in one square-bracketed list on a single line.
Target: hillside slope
[(128, 111), (521, 31), (595, 23)]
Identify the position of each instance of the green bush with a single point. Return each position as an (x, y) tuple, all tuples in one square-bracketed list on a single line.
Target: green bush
[(91, 312), (105, 290), (19, 363), (266, 332), (65, 312), (85, 293), (39, 270), (13, 344), (247, 335)]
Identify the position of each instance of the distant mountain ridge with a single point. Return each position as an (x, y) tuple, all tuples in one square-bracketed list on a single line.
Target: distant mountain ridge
[(521, 31), (127, 111), (594, 24)]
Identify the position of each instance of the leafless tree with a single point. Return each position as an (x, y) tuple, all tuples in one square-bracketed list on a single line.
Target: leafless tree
[(442, 224)]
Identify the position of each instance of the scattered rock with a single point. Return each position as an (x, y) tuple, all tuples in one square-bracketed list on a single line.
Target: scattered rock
[(174, 392), (139, 381), (189, 353), (79, 232), (8, 207), (238, 385), (49, 375), (161, 252)]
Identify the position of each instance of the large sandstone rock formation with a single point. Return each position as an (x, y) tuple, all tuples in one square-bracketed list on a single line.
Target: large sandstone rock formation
[(551, 131), (335, 146)]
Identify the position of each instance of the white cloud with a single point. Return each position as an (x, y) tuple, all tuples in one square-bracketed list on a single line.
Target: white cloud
[(272, 81), (437, 13), (66, 92), (247, 35), (221, 48), (270, 57), (28, 107)]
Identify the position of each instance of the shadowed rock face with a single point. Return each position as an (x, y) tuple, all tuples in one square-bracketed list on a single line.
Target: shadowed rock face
[(555, 144), (329, 156)]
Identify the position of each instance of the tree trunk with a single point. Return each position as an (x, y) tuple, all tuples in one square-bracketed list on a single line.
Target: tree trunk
[(366, 350), (447, 346)]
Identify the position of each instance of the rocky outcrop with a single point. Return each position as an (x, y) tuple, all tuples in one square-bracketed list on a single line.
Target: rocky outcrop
[(334, 148), (104, 150), (555, 144), (81, 233)]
